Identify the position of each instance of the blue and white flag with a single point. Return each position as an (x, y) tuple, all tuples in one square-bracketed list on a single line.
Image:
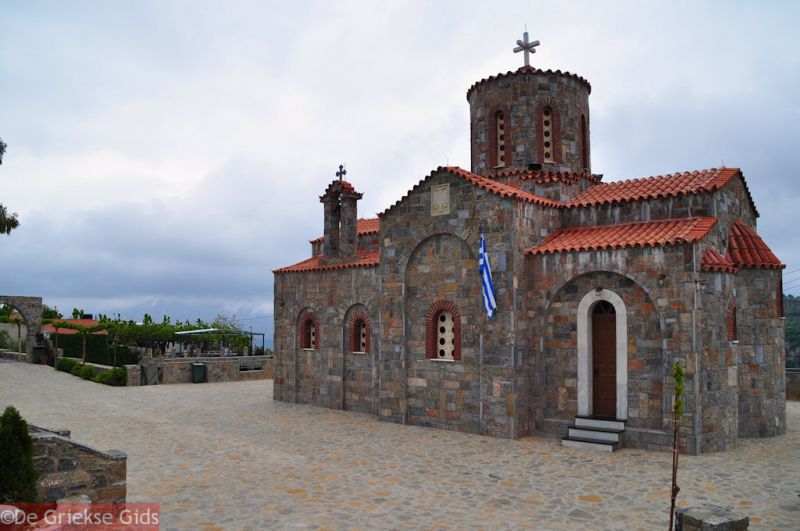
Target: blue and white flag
[(489, 304)]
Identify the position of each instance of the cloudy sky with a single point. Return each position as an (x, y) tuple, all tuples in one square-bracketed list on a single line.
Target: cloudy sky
[(165, 156)]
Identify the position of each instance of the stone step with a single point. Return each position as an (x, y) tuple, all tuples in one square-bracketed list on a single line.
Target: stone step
[(606, 424), (595, 434), (586, 444)]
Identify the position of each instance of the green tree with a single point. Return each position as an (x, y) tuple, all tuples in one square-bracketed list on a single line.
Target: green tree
[(677, 413), (84, 332), (50, 313), (18, 476), (8, 221)]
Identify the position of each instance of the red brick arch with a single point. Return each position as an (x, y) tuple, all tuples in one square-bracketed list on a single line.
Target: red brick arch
[(492, 132), (431, 319), (355, 342), (308, 318)]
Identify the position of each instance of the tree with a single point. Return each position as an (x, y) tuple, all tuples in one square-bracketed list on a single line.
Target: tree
[(18, 476), (84, 331), (8, 221), (677, 413), (50, 313)]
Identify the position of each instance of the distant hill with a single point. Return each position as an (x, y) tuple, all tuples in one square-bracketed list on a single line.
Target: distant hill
[(791, 308)]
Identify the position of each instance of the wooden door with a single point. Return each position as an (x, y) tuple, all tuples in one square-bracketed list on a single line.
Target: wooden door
[(604, 360)]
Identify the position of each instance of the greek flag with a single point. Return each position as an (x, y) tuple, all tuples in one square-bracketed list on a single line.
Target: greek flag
[(489, 304)]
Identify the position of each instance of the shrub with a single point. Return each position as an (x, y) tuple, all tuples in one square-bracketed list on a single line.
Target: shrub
[(116, 377), (66, 364), (17, 473), (87, 371), (75, 370)]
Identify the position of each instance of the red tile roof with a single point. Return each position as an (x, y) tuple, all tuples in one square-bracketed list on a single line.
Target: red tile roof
[(672, 185), (369, 258), (713, 261), (529, 70), (642, 234), (343, 186), (546, 176), (485, 183), (68, 331), (747, 249), (363, 227)]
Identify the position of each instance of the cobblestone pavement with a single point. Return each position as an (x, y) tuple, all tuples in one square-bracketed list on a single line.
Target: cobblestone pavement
[(225, 455)]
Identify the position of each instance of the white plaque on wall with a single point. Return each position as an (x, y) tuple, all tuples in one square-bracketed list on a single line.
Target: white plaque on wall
[(440, 199)]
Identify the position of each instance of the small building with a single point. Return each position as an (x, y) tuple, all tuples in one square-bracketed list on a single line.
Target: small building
[(600, 288)]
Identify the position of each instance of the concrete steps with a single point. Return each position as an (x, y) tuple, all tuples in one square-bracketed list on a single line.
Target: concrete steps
[(598, 434)]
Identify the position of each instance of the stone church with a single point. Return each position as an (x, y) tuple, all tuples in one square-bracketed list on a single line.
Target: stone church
[(600, 287)]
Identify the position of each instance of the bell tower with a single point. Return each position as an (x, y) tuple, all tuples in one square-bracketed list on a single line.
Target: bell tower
[(530, 117)]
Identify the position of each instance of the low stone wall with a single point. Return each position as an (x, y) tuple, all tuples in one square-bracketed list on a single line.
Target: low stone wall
[(792, 384), (134, 375), (67, 468), (173, 371), (10, 355)]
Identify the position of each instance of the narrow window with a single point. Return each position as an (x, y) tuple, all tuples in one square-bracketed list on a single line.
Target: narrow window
[(733, 333), (500, 137), (779, 295), (359, 333), (309, 332), (443, 332), (584, 145), (547, 134)]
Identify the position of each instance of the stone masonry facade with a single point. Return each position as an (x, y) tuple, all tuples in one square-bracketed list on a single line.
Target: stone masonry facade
[(67, 469), (675, 261)]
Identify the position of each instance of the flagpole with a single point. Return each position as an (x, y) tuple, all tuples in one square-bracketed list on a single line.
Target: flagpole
[(480, 380)]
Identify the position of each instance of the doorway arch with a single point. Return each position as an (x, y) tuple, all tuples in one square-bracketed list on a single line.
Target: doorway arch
[(31, 310), (585, 352)]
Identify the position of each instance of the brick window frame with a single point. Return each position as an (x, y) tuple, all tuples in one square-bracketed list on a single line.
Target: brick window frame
[(308, 323), (353, 332), (431, 320), (493, 137), (733, 332), (555, 115)]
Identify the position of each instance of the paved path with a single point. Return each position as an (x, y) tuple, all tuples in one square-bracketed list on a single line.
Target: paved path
[(226, 456)]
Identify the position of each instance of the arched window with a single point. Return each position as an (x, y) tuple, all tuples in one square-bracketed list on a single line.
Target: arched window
[(358, 333), (443, 332), (733, 333), (309, 331), (547, 135), (584, 145)]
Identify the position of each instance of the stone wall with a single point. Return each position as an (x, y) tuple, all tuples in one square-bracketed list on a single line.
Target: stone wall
[(428, 258), (67, 468), (760, 355), (218, 369), (656, 291), (329, 375)]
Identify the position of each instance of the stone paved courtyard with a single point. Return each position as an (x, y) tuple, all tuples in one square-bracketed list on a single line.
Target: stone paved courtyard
[(226, 456)]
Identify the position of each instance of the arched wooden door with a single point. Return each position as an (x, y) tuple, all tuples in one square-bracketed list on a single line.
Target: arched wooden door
[(604, 360)]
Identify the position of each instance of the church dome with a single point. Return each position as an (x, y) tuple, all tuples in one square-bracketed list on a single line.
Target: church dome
[(530, 117)]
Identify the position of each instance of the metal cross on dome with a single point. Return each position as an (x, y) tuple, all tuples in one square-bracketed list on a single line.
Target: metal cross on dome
[(342, 172), (526, 47)]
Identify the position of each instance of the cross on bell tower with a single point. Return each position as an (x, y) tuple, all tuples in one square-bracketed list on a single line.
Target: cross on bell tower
[(342, 172), (526, 47)]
